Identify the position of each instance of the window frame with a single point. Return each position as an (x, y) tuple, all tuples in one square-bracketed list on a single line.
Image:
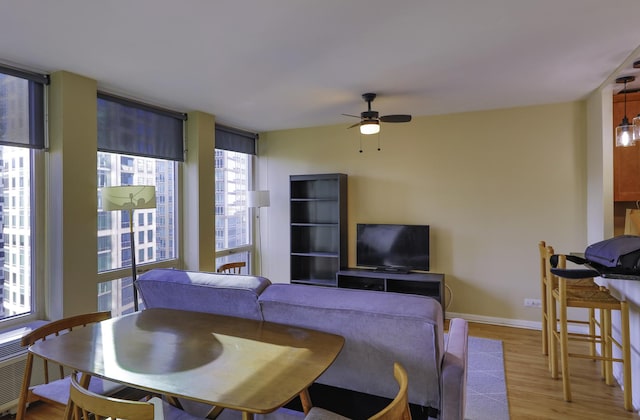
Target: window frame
[(37, 155), (123, 273), (228, 254)]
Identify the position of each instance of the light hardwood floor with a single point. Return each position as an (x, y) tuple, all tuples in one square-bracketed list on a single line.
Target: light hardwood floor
[(531, 391), (533, 394)]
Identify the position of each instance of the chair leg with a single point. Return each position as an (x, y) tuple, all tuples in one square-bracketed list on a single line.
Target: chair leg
[(545, 323), (592, 332), (608, 348), (24, 391), (626, 354), (553, 342), (564, 352), (601, 336), (552, 329)]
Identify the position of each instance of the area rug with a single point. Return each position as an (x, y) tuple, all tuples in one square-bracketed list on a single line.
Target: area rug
[(486, 386)]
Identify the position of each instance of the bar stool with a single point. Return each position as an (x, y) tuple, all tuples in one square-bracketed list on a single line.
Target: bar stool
[(546, 289), (591, 299)]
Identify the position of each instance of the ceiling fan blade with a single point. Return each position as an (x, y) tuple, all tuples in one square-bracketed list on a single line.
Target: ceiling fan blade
[(349, 115), (354, 125), (399, 118)]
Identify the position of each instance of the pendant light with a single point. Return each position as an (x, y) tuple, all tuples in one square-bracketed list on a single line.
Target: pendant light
[(624, 132), (636, 120)]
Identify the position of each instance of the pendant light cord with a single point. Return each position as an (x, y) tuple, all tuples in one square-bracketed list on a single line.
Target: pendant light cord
[(625, 102)]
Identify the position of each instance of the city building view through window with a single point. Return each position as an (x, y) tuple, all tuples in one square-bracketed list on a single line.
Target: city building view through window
[(15, 242), (154, 229), (233, 227)]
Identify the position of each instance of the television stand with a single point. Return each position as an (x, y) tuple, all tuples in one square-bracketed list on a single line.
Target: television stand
[(397, 270), (425, 284)]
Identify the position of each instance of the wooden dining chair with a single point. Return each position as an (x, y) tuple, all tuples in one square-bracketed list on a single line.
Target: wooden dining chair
[(546, 289), (84, 404), (232, 267), (398, 409), (591, 299), (56, 391)]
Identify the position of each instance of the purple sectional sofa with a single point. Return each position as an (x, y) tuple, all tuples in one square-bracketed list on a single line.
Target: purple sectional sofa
[(379, 328)]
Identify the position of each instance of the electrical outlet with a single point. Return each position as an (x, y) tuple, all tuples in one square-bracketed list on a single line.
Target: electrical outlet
[(532, 303)]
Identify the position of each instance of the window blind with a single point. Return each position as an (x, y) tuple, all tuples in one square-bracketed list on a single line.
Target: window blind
[(22, 108), (133, 128), (235, 140)]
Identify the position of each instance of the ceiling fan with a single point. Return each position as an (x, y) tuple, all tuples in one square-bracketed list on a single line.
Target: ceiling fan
[(370, 120)]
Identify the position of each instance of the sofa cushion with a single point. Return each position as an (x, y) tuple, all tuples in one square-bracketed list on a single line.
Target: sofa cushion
[(223, 294), (379, 328)]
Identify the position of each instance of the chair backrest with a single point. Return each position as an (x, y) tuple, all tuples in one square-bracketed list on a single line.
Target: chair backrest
[(84, 402), (399, 407), (56, 328), (231, 268), (57, 387), (561, 262)]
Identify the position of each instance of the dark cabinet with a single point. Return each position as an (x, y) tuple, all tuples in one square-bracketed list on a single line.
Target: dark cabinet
[(318, 208)]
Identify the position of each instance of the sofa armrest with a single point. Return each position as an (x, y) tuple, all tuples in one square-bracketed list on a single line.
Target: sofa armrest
[(454, 371)]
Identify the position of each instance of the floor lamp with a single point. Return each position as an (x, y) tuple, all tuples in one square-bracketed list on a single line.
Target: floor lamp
[(130, 198), (258, 199)]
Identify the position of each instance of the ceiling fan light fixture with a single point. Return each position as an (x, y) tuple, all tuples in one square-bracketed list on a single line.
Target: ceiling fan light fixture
[(625, 132), (370, 127)]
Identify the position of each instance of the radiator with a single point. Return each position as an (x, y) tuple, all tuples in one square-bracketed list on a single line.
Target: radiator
[(12, 361)]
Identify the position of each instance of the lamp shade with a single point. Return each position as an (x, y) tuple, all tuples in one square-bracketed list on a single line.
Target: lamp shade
[(258, 198), (370, 127), (625, 134), (128, 197)]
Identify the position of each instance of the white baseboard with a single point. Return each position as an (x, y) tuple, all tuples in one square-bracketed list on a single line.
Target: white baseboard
[(508, 322)]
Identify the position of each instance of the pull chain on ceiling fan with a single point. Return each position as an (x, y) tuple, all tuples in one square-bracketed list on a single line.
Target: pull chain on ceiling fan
[(370, 120)]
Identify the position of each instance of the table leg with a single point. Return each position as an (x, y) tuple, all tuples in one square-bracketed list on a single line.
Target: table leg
[(214, 412), (173, 401), (247, 416), (305, 398)]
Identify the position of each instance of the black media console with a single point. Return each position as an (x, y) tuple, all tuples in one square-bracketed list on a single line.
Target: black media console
[(426, 284)]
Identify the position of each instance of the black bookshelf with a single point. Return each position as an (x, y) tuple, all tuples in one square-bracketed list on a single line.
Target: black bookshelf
[(318, 205)]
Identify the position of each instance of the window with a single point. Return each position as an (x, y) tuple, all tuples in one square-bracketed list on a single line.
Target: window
[(137, 145), (233, 178), (21, 137)]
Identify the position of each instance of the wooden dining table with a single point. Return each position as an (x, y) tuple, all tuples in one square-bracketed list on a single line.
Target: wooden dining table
[(228, 362)]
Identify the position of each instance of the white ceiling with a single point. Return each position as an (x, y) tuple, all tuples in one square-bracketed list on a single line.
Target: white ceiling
[(276, 64)]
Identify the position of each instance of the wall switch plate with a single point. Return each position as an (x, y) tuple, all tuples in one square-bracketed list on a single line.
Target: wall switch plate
[(532, 303)]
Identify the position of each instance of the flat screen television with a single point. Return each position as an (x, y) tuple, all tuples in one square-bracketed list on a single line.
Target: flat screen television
[(389, 247)]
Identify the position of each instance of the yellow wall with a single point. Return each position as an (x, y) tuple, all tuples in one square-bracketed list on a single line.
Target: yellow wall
[(491, 184), (71, 195)]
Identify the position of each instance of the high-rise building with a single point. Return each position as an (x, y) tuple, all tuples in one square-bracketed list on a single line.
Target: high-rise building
[(231, 184)]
